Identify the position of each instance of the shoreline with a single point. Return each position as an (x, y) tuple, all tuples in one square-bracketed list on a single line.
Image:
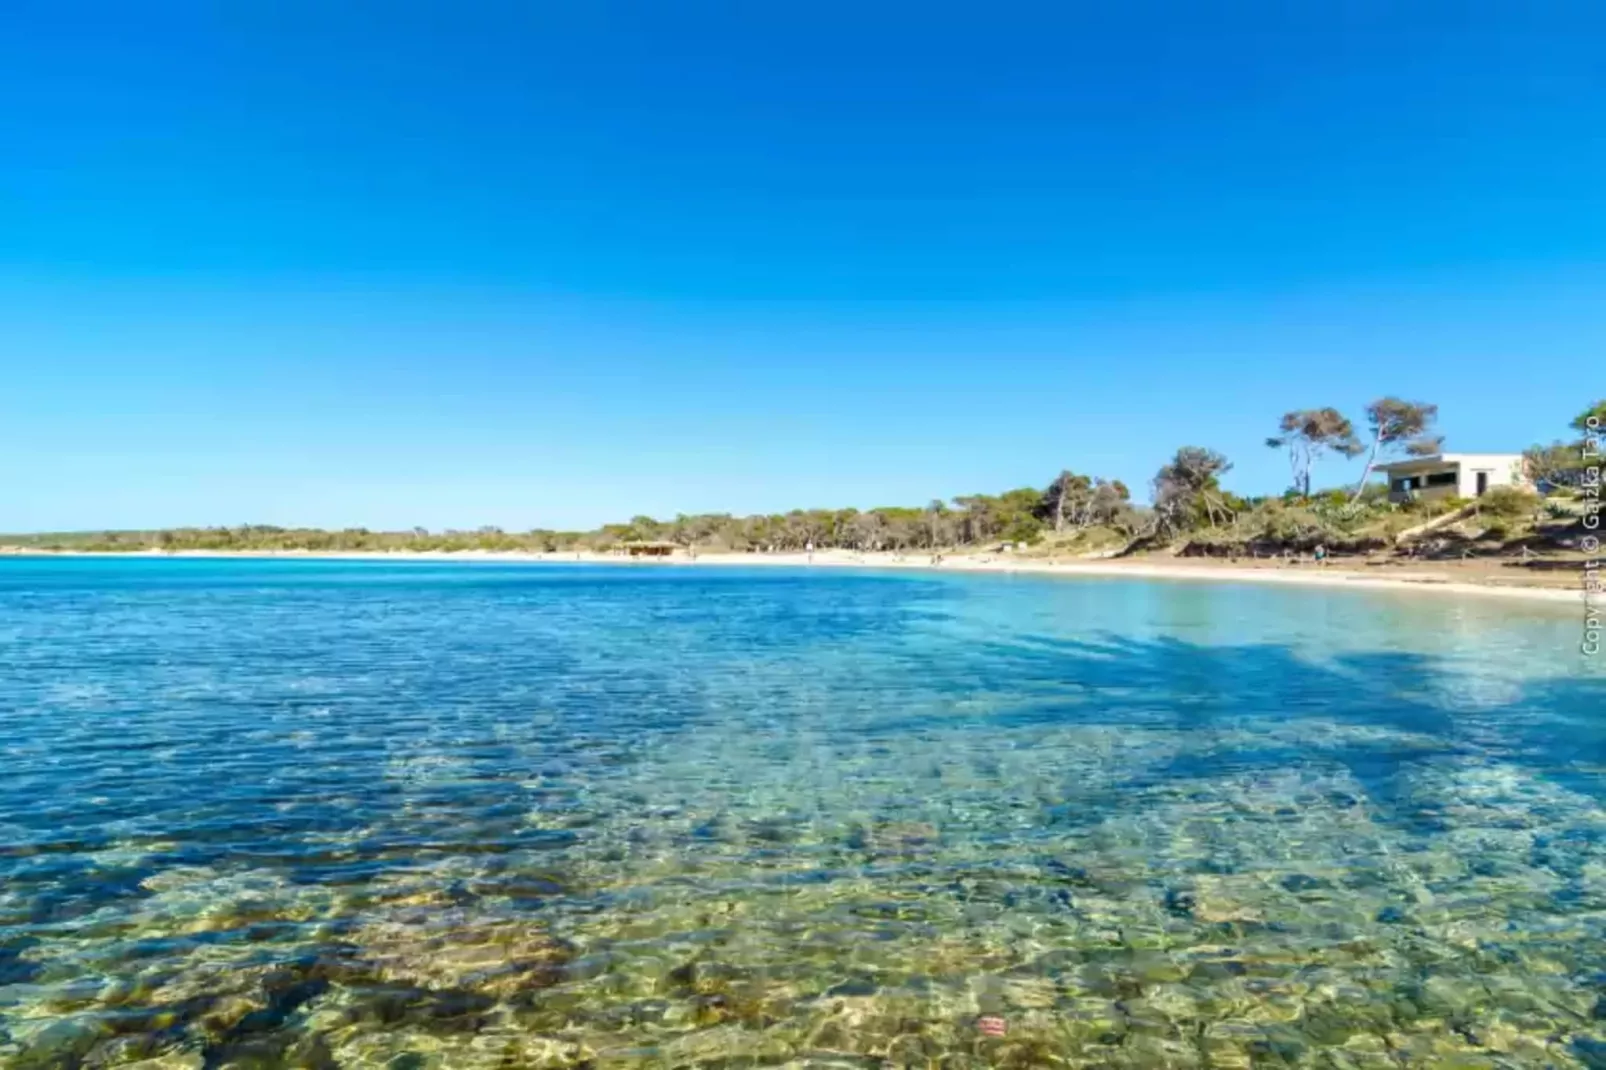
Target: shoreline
[(1423, 578)]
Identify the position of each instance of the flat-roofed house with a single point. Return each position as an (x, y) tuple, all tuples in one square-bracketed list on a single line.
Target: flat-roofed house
[(1453, 475)]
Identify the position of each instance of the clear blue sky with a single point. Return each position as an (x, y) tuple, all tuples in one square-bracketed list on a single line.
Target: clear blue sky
[(550, 264)]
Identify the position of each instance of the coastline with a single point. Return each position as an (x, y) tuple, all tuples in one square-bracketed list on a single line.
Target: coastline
[(1425, 577)]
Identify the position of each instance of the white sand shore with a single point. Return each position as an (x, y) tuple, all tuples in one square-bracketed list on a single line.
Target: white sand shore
[(1206, 571), (1423, 579)]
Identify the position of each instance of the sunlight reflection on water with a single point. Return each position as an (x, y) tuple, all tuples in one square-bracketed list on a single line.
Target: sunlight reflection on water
[(337, 814)]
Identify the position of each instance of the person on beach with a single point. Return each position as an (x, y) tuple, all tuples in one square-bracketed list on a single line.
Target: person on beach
[(1321, 554)]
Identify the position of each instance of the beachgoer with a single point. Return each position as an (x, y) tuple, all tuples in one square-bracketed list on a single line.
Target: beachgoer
[(1321, 554)]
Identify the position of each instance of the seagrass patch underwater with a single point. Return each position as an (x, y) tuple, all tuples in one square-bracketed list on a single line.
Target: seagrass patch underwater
[(416, 815)]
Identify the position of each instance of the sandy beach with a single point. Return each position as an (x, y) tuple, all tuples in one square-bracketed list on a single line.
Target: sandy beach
[(1446, 577), (1480, 578)]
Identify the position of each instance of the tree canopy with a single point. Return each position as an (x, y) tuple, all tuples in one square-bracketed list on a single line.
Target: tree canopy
[(1308, 433), (1399, 427), (1591, 419), (1187, 490), (1566, 463), (1014, 516)]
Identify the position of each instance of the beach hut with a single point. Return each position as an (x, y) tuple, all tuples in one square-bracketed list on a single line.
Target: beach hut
[(1450, 475)]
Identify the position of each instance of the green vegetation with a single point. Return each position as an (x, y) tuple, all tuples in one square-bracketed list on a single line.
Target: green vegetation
[(1307, 434), (1187, 492), (1509, 503), (1565, 464), (266, 537), (1075, 513), (1398, 427), (1071, 507)]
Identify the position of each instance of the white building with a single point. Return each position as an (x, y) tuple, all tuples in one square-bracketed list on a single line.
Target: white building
[(1461, 475)]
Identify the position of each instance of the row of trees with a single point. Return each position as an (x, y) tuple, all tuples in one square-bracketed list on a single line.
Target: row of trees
[(1071, 503), (1186, 493)]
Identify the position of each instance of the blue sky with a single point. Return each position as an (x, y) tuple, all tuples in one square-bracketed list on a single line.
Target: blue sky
[(547, 265)]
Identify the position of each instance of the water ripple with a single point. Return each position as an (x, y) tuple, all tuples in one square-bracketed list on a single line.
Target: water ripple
[(414, 815)]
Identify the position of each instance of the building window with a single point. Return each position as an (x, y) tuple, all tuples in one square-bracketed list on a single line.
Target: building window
[(1442, 479)]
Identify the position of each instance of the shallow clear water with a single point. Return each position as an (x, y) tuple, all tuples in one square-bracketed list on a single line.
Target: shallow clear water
[(297, 813)]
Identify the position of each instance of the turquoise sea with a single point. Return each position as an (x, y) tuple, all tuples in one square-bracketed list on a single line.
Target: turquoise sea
[(416, 815)]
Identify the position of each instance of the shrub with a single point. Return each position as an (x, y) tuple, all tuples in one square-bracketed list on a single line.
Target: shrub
[(1509, 503), (1025, 531), (1427, 508), (1344, 514), (1375, 493)]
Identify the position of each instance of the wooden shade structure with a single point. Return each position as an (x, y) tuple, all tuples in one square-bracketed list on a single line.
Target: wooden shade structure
[(645, 549)]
